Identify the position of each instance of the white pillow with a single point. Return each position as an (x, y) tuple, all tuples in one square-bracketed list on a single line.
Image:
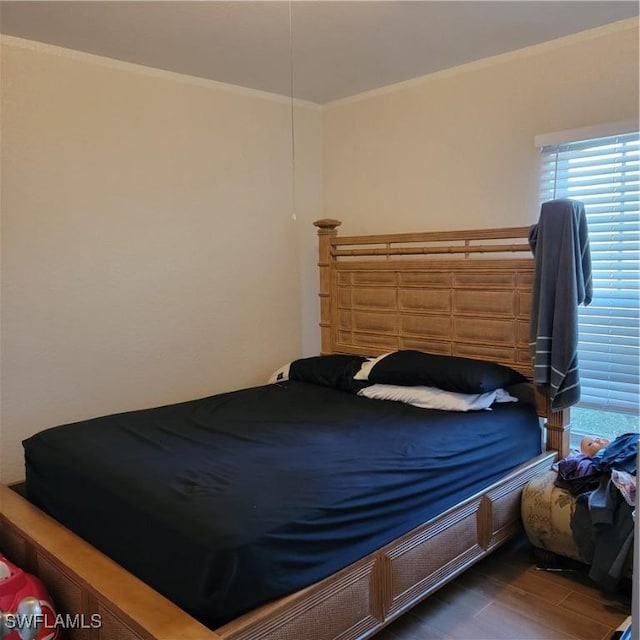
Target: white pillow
[(434, 398), (365, 369), (280, 375)]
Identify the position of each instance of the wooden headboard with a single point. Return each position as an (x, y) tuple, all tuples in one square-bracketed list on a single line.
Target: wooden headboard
[(464, 293)]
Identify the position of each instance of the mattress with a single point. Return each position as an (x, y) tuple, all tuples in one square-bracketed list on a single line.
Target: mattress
[(229, 501)]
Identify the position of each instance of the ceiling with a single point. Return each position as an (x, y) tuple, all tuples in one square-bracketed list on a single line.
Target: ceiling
[(338, 48)]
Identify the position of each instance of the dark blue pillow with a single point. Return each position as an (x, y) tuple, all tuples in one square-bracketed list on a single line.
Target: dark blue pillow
[(451, 373), (333, 370)]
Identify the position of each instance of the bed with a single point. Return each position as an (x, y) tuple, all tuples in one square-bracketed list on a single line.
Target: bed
[(458, 294)]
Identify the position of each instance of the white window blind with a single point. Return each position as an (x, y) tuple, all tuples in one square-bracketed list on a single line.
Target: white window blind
[(603, 173)]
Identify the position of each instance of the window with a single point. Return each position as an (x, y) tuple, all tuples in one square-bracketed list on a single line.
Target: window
[(603, 172)]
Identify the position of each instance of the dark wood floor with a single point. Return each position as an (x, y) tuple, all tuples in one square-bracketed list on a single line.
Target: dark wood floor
[(505, 597)]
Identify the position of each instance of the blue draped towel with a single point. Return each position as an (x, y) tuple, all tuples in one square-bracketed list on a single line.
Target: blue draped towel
[(562, 281)]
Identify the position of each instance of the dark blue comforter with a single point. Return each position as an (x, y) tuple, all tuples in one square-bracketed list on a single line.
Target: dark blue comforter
[(230, 501)]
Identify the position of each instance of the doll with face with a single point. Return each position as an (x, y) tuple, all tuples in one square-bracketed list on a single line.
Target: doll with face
[(593, 445)]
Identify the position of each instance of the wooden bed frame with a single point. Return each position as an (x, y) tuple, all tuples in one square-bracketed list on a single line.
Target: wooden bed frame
[(463, 293)]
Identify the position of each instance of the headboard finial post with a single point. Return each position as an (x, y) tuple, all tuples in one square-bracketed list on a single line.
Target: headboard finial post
[(327, 226), (327, 229)]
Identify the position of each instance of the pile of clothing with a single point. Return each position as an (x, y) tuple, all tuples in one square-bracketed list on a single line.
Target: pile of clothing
[(604, 483)]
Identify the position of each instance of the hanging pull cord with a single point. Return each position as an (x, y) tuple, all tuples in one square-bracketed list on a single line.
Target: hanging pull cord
[(293, 138)]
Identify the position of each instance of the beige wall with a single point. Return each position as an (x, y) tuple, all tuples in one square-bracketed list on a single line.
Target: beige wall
[(456, 149), (134, 205), (149, 253)]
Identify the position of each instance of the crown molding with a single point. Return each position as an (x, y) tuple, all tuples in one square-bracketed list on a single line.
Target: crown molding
[(516, 54), (131, 67)]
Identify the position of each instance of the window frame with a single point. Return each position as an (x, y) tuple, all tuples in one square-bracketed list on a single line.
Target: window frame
[(611, 197)]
